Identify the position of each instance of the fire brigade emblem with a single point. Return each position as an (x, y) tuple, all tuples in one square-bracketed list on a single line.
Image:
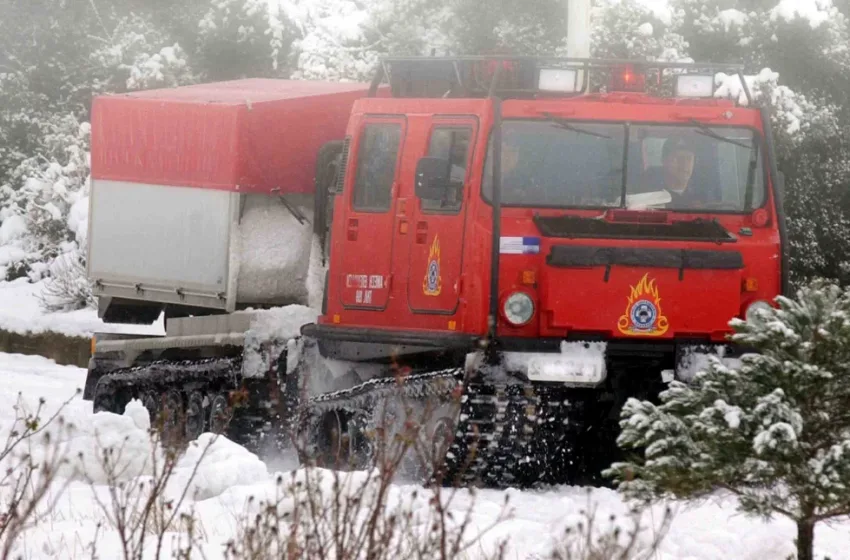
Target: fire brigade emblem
[(432, 285), (643, 311)]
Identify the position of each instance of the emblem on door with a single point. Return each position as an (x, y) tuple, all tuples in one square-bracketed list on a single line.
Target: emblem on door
[(432, 285)]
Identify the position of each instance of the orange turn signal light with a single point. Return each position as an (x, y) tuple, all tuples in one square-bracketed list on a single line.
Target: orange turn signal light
[(751, 284), (529, 278)]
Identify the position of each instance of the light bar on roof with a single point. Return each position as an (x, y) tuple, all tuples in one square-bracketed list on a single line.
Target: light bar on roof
[(558, 79), (694, 85)]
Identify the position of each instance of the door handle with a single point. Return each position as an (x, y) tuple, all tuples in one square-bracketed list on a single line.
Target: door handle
[(353, 226), (421, 232)]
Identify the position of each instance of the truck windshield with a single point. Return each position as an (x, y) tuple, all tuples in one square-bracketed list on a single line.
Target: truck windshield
[(572, 164)]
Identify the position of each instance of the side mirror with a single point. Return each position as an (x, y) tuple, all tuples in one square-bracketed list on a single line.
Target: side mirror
[(432, 178)]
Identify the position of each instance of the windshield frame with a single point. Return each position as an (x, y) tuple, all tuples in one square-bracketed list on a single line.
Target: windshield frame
[(758, 143)]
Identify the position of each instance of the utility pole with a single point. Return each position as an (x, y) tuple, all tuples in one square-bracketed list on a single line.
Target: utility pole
[(578, 28)]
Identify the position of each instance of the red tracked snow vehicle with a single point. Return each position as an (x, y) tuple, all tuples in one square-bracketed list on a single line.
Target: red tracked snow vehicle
[(503, 227)]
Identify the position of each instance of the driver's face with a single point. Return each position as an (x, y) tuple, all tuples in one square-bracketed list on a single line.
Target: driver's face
[(679, 166)]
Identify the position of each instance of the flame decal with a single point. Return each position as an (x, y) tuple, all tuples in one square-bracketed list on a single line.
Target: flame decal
[(432, 284), (643, 315)]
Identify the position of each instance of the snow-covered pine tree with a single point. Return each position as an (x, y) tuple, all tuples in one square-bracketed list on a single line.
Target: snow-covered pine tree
[(773, 429)]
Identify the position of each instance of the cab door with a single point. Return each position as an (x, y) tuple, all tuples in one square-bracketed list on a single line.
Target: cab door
[(439, 226), (366, 243)]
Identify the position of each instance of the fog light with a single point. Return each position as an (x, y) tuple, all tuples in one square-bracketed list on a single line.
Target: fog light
[(518, 309)]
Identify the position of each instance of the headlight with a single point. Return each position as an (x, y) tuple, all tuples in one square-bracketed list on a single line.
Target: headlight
[(518, 309), (752, 315)]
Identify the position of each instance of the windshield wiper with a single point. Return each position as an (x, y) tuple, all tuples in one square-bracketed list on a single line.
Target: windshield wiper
[(563, 123), (706, 131)]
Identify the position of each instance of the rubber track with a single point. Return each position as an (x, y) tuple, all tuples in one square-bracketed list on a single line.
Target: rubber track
[(367, 394), (498, 433), (494, 442), (209, 376)]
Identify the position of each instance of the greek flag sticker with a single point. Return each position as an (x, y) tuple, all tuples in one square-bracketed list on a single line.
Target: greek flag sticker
[(519, 245)]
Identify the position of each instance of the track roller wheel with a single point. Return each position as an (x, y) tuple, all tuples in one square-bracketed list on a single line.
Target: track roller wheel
[(340, 442), (442, 436), (219, 413), (428, 443), (196, 415), (173, 416), (150, 401), (103, 400)]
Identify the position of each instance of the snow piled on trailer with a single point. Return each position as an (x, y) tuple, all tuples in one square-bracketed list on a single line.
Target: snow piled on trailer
[(231, 482), (21, 313), (274, 252), (282, 323), (269, 333)]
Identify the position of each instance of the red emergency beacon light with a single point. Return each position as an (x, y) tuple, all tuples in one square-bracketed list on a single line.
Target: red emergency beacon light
[(628, 79), (507, 70)]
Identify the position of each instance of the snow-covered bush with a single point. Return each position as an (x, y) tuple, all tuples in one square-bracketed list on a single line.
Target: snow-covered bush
[(67, 288), (242, 39), (44, 209), (505, 26), (137, 56), (332, 41), (343, 39), (794, 117), (772, 430), (46, 186), (818, 200), (22, 116), (628, 29)]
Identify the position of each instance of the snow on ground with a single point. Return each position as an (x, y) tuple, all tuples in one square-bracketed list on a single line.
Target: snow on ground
[(230, 476), (20, 312)]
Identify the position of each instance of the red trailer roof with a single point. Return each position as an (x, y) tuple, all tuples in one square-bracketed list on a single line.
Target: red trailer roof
[(254, 135), (255, 90)]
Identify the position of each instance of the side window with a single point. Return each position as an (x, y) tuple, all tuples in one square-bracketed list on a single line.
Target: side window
[(376, 163), (451, 144)]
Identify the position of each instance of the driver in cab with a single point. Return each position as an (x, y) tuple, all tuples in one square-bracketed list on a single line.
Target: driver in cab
[(678, 157)]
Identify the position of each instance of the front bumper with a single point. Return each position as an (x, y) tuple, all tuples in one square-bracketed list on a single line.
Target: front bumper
[(588, 363)]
